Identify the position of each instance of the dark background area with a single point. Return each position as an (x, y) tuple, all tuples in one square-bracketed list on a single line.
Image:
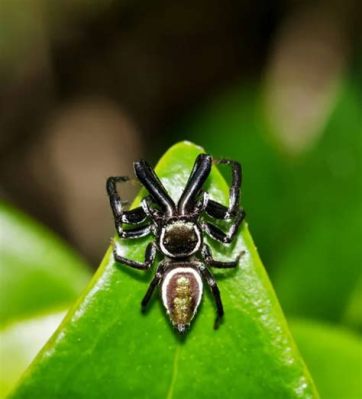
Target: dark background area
[(88, 87)]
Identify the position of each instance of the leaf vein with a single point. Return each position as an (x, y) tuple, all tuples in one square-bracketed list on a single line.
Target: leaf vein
[(174, 373)]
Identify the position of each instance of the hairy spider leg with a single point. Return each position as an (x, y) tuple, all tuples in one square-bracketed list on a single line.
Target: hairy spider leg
[(154, 283), (210, 261), (198, 176), (150, 255), (233, 212), (211, 282), (154, 186)]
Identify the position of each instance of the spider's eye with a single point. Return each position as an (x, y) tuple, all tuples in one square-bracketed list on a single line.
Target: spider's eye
[(180, 239)]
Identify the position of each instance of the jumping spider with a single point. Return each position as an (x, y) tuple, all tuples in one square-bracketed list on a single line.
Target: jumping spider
[(178, 230)]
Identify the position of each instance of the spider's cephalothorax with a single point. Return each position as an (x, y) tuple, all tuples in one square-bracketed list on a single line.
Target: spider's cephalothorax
[(180, 238), (178, 230)]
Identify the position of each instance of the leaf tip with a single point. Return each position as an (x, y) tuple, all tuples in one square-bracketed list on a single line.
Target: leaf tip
[(185, 145)]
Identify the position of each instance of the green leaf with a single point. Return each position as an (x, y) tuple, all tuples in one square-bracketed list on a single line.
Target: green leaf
[(20, 342), (37, 270), (107, 348), (334, 356)]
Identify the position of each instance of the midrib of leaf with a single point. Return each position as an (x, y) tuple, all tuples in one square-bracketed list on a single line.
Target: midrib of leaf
[(174, 372)]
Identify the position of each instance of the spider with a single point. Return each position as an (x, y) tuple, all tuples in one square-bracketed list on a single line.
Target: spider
[(178, 235)]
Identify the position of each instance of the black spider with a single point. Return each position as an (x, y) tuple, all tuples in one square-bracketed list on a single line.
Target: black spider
[(178, 231)]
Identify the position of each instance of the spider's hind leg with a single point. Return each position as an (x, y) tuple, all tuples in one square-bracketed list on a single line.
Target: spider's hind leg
[(153, 285), (209, 278)]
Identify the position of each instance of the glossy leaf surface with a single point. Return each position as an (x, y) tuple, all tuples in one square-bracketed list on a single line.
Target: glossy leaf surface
[(20, 342), (37, 270), (107, 348), (334, 356)]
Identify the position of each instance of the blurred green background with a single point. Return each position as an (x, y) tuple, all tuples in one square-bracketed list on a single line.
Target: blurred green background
[(88, 87)]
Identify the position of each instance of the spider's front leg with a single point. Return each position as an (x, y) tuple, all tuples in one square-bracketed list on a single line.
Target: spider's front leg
[(218, 210), (150, 255), (233, 212), (134, 216)]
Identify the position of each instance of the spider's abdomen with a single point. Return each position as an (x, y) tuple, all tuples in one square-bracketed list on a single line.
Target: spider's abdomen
[(181, 295)]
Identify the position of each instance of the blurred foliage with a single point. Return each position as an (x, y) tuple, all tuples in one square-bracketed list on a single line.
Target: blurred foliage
[(353, 312), (38, 274), (334, 356), (305, 211), (38, 271), (20, 341), (105, 337)]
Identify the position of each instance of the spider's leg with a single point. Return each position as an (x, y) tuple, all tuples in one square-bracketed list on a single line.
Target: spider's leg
[(216, 210), (148, 206), (205, 272), (210, 261), (224, 237), (154, 283), (150, 255), (137, 232), (220, 211), (214, 232), (199, 174), (134, 216), (154, 186), (232, 212)]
